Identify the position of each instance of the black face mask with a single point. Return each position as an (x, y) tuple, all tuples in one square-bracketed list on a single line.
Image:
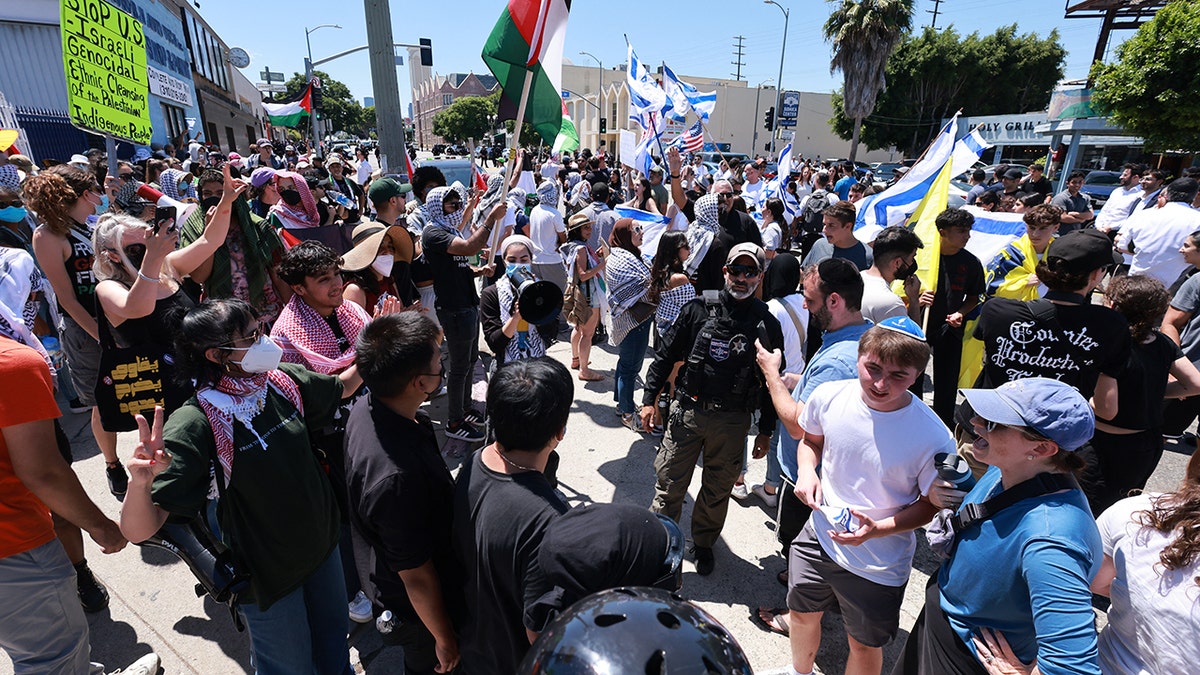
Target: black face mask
[(907, 270), (208, 203), (290, 197), (136, 253)]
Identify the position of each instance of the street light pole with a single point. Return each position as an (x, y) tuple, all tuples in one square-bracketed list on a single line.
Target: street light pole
[(308, 76), (600, 91), (779, 80)]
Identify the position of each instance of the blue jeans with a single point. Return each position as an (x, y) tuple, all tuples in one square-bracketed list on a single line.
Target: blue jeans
[(305, 630), (629, 363), (461, 327)]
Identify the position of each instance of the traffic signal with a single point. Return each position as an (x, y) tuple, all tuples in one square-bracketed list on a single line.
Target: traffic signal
[(604, 125), (769, 119), (426, 52)]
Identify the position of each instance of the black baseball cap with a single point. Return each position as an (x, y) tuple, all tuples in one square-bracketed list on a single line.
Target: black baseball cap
[(1082, 251)]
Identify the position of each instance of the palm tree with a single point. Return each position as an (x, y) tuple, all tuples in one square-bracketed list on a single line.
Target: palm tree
[(864, 33)]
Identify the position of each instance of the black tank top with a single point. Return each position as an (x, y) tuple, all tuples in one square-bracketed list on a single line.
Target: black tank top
[(159, 326), (79, 267)]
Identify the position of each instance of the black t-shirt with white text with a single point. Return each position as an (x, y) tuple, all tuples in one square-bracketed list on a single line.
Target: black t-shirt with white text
[(453, 279)]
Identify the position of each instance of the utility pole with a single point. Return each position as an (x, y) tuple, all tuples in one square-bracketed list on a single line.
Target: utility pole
[(935, 11), (738, 56), (389, 122)]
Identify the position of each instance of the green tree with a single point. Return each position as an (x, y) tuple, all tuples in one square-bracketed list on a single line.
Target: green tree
[(864, 34), (1153, 89), (937, 72), (467, 117), (338, 108)]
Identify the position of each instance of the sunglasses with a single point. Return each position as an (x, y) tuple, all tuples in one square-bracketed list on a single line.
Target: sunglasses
[(637, 229), (453, 203), (253, 337), (126, 177), (15, 202), (990, 426), (746, 271)]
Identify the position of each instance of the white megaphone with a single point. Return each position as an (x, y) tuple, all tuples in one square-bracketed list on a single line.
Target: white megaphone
[(182, 210)]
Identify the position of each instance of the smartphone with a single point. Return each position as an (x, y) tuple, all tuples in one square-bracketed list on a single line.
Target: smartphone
[(162, 215)]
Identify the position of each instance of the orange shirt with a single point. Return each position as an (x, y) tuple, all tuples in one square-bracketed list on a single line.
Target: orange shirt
[(27, 395)]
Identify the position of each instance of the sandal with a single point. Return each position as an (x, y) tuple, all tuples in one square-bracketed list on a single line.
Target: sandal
[(771, 620), (574, 363)]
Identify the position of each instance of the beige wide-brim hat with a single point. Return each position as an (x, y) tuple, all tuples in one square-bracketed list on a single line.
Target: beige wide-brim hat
[(367, 238)]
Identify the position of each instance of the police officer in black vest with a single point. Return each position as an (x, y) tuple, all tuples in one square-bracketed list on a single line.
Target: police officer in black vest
[(717, 390)]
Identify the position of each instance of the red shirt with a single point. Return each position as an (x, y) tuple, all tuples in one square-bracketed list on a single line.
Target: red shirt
[(27, 396)]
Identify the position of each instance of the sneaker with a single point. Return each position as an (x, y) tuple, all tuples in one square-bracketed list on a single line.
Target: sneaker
[(474, 417), (147, 665), (769, 499), (93, 596), (705, 562), (632, 421), (465, 431), (740, 491), (118, 480), (656, 430), (360, 609), (76, 406)]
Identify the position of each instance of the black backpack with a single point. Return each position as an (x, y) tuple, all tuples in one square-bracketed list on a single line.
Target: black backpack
[(812, 216)]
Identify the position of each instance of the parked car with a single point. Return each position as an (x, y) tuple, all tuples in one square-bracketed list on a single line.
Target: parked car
[(883, 171), (1098, 185), (454, 170)]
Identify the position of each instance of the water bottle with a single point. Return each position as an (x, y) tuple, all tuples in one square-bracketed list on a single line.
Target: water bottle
[(954, 469), (54, 350), (386, 622)]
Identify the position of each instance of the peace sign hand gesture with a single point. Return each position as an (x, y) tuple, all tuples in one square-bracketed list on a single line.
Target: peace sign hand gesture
[(149, 458)]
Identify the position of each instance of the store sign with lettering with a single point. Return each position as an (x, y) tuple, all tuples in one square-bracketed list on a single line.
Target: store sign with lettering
[(168, 87), (104, 59)]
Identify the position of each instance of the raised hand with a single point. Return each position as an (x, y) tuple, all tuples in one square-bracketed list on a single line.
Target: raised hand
[(149, 458)]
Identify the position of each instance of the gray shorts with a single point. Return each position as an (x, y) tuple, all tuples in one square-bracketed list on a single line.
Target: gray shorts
[(870, 611), (83, 356)]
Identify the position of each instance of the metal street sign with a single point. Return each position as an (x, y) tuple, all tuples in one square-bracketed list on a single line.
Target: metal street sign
[(789, 106), (267, 76), (271, 87)]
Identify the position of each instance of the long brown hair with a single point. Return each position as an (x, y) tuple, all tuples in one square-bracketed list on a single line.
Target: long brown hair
[(1178, 512), (666, 263), (54, 192)]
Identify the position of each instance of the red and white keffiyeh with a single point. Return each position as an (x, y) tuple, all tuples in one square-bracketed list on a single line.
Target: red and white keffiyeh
[(241, 399), (307, 339), (297, 217)]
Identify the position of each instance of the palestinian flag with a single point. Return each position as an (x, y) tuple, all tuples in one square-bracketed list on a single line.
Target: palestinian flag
[(568, 136), (290, 112), (529, 38)]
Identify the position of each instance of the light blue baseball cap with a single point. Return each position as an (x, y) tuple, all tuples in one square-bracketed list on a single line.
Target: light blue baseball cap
[(1049, 407)]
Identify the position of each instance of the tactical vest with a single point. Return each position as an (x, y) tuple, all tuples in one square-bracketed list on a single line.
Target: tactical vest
[(721, 372)]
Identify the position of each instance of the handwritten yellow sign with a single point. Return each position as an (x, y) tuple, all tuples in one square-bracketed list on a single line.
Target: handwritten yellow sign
[(104, 57)]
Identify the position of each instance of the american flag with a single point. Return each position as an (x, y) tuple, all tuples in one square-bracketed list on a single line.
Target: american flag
[(691, 140)]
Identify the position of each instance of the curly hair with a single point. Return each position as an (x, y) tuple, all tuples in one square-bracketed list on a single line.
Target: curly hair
[(1179, 512), (1142, 300), (307, 259), (54, 192), (666, 263), (1043, 215)]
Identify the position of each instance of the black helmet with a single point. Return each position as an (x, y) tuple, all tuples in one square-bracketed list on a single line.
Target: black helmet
[(635, 630)]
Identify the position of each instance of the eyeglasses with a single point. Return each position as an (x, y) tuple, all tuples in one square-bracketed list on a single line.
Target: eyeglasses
[(746, 271)]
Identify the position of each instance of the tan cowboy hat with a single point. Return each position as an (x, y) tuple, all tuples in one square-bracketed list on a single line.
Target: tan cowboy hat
[(367, 238), (579, 220)]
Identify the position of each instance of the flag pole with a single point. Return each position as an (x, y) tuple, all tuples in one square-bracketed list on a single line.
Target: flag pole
[(514, 143), (714, 141)]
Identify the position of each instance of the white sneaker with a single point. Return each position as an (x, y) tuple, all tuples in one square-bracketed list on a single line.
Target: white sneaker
[(147, 665), (360, 609), (769, 499), (740, 491)]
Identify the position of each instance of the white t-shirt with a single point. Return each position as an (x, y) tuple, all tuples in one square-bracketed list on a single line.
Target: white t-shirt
[(877, 481), (753, 192), (544, 225), (364, 172), (1156, 235), (1152, 624), (793, 340), (772, 236), (878, 301)]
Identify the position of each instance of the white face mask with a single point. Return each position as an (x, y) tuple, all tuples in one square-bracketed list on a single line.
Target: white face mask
[(261, 357), (383, 264)]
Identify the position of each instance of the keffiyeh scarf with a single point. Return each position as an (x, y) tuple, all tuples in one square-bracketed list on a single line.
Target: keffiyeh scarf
[(305, 213), (242, 399), (700, 234), (168, 183), (493, 196), (435, 214), (308, 340), (547, 194), (527, 342)]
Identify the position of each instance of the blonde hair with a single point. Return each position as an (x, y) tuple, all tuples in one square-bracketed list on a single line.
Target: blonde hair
[(107, 237)]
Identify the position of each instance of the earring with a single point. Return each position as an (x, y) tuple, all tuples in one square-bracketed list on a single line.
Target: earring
[(1029, 457)]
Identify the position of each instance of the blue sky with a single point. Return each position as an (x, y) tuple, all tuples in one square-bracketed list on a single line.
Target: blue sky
[(694, 38)]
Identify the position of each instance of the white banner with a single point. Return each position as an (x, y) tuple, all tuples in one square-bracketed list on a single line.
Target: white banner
[(628, 147), (168, 87)]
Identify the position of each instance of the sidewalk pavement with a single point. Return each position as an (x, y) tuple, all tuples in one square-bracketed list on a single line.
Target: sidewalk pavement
[(154, 606)]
